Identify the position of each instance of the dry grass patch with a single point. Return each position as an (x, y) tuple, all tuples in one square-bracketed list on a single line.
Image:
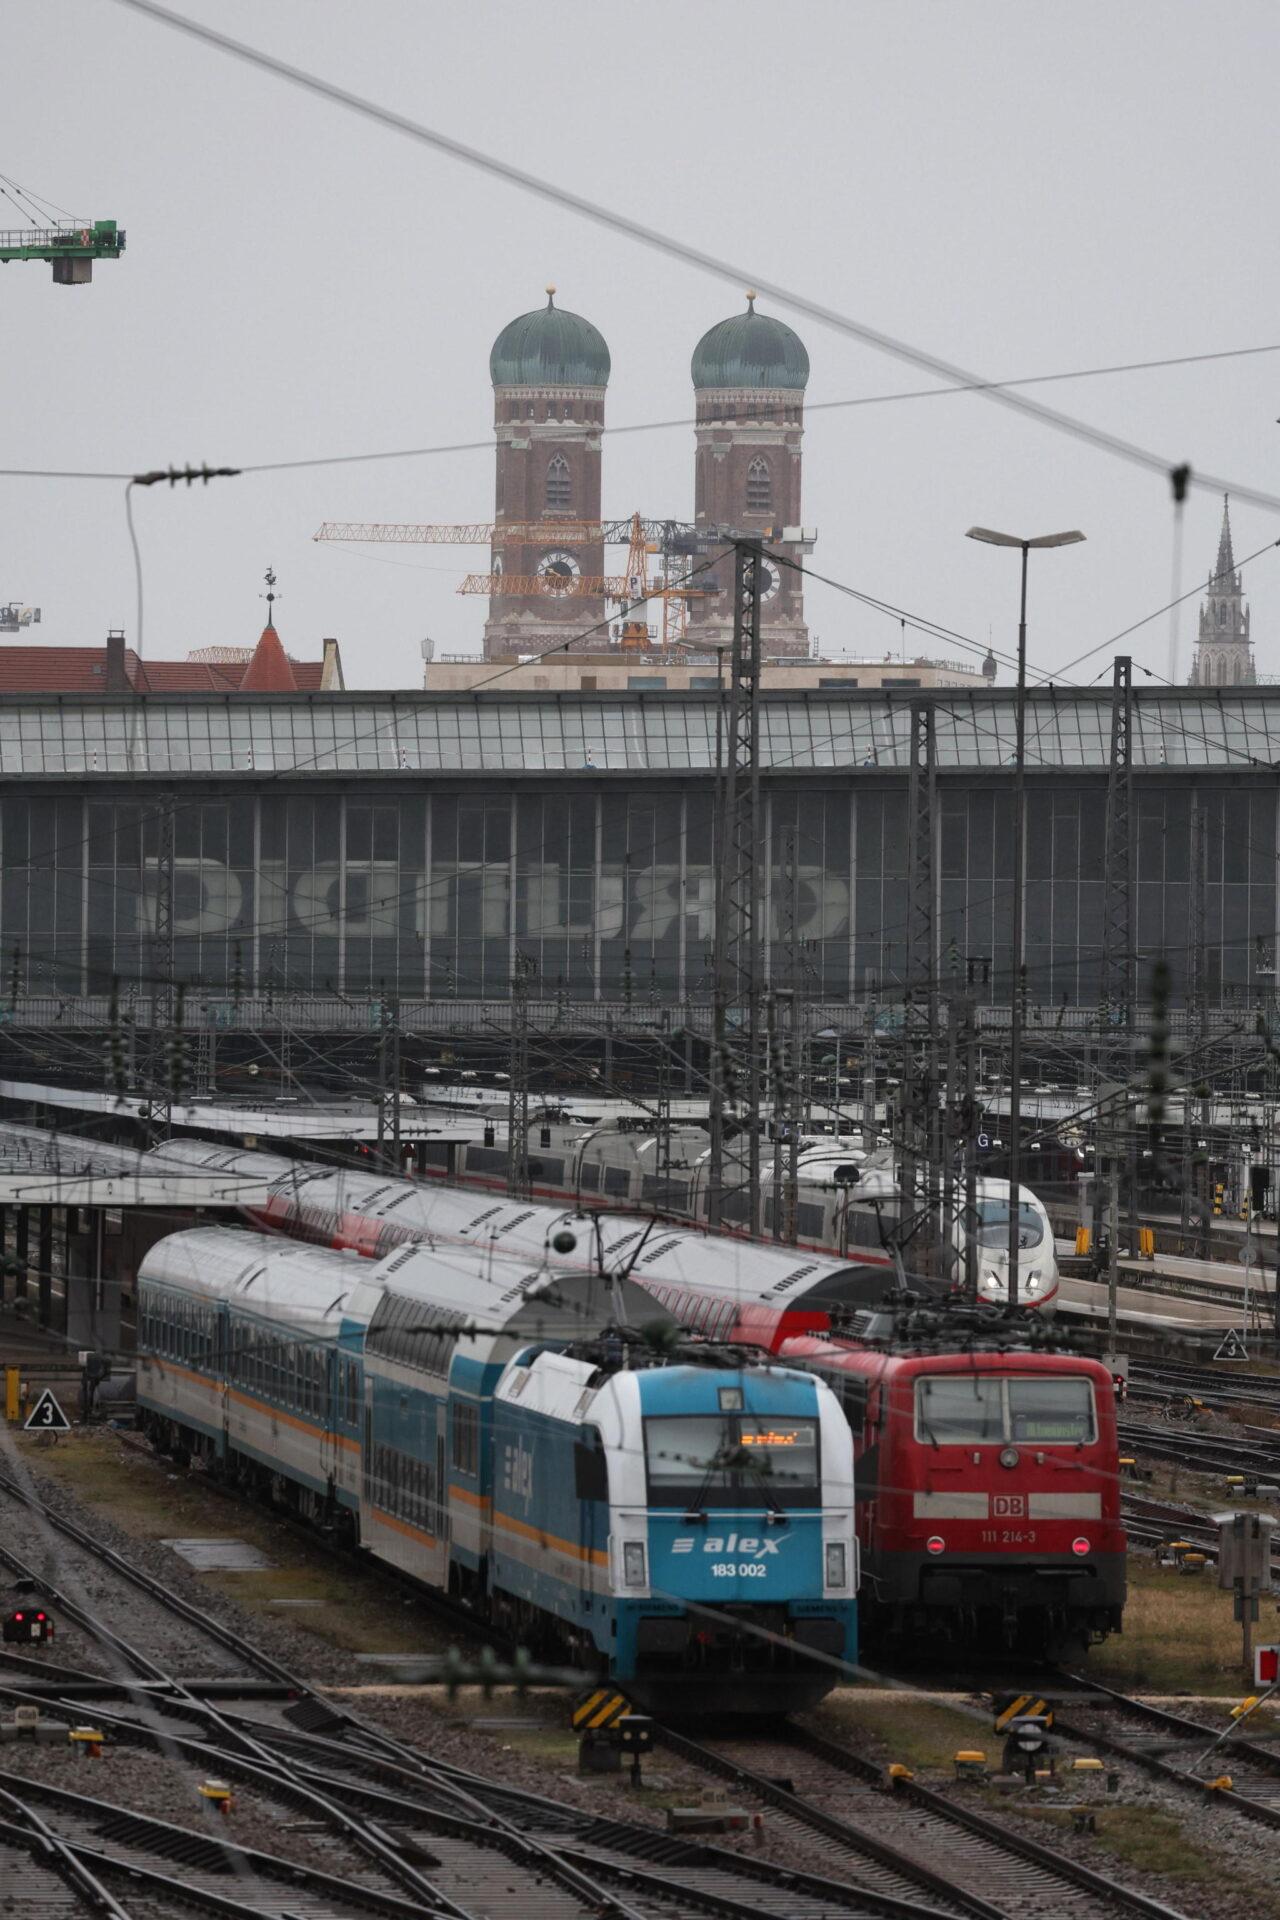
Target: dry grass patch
[(923, 1734), (1179, 1636), (356, 1609), (1142, 1837)]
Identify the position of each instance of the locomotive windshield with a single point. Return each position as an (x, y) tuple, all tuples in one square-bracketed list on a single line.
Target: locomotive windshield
[(993, 1224), (700, 1458), (983, 1409)]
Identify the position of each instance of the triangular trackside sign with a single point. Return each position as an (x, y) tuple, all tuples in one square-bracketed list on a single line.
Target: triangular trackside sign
[(46, 1416), (1232, 1348)]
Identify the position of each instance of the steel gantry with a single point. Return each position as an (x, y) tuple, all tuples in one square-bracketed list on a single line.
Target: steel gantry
[(166, 1062), (1118, 968), (519, 1179), (736, 1078), (920, 1127)]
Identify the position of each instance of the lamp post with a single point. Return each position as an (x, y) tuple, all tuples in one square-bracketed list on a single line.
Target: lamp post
[(994, 539)]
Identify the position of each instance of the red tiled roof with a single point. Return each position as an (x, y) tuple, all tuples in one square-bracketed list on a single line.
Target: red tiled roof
[(84, 670), (269, 670), (53, 669)]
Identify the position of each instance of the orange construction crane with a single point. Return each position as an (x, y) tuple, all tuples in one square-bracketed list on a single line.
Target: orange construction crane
[(641, 537), (486, 533)]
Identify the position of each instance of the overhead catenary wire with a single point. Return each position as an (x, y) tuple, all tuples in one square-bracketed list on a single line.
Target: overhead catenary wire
[(675, 422), (697, 257)]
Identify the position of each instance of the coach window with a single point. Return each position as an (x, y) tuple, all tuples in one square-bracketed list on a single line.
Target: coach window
[(466, 1439)]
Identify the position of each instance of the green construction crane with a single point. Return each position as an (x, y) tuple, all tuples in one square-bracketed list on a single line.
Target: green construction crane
[(72, 250)]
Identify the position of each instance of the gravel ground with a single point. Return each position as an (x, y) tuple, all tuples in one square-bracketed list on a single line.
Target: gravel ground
[(1228, 1840), (1238, 1849), (165, 1788), (495, 1756), (127, 1610), (121, 1607)]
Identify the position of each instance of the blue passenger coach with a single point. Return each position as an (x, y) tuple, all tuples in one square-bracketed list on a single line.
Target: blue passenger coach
[(514, 1438)]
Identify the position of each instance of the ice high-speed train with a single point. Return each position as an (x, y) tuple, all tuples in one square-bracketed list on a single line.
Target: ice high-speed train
[(847, 1205), (683, 1527)]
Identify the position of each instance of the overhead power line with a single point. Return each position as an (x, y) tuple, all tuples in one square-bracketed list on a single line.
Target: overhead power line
[(732, 271), (674, 423)]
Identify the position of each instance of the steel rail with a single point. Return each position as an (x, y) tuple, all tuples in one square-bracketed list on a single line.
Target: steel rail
[(199, 1850), (830, 1825), (1048, 1859), (30, 1831), (1178, 1726), (573, 1827), (367, 1839)]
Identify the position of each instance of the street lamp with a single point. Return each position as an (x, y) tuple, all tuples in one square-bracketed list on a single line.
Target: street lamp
[(994, 539)]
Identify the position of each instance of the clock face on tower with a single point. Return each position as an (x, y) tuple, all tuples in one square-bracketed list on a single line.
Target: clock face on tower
[(770, 580), (559, 570)]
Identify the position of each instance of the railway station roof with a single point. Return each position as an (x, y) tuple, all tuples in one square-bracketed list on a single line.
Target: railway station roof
[(245, 736)]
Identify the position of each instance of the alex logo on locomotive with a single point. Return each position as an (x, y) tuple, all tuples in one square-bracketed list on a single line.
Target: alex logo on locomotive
[(747, 1543)]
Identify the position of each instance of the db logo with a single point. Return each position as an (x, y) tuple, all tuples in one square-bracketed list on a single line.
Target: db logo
[(1009, 1506)]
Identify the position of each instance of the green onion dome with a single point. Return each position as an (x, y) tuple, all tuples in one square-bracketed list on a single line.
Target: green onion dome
[(750, 350), (549, 348)]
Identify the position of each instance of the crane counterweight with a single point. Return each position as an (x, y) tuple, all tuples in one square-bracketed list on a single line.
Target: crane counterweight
[(70, 249)]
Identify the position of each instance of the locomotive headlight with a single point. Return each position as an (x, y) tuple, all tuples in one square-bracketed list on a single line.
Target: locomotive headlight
[(633, 1564), (1080, 1547), (1032, 1283), (992, 1281), (837, 1565)]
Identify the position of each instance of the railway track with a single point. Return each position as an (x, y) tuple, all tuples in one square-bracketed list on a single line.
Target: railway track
[(977, 1864), (1248, 1450), (424, 1836), (1165, 1744), (1153, 1382)]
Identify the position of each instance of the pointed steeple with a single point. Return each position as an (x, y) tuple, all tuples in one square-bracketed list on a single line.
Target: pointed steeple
[(1224, 652), (1224, 573), (270, 670)]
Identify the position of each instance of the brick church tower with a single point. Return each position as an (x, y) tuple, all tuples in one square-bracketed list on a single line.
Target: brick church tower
[(749, 376), (550, 370)]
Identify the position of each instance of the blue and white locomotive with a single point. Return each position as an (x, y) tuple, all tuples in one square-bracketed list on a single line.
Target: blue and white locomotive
[(511, 1437)]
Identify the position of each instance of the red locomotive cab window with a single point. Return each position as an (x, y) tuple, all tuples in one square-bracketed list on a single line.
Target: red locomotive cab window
[(975, 1410)]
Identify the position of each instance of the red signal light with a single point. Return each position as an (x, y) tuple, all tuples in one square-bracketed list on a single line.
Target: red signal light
[(39, 1616), (19, 1616), (1080, 1546), (935, 1544)]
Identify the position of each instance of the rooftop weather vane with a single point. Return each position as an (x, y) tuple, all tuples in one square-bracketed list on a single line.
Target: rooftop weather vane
[(270, 596)]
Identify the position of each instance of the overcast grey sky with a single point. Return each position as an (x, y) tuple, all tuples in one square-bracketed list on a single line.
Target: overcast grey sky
[(1018, 187)]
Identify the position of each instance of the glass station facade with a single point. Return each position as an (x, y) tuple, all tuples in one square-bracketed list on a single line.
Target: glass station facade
[(367, 845)]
